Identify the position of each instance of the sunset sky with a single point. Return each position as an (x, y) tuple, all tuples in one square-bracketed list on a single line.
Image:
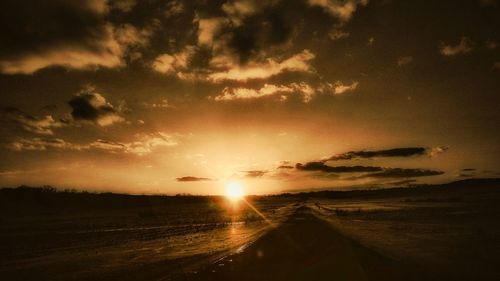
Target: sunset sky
[(158, 96)]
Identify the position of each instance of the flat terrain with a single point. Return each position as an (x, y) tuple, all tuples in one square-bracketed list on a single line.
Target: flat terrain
[(449, 232), (306, 248)]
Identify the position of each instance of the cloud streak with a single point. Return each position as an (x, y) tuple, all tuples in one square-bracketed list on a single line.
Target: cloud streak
[(370, 171), (322, 167), (192, 179), (37, 125), (394, 152), (143, 145)]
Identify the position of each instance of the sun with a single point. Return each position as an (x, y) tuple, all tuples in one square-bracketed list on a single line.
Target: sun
[(235, 191)]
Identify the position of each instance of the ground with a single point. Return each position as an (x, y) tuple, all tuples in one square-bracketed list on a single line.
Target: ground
[(446, 233)]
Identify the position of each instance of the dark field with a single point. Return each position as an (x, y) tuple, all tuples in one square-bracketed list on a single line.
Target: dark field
[(448, 232)]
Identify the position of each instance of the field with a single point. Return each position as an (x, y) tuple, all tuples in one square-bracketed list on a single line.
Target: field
[(448, 232)]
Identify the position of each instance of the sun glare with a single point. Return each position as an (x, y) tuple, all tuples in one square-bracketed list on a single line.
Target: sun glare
[(234, 191)]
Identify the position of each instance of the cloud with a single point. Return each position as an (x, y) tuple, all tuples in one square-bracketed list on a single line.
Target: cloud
[(175, 63), (38, 125), (61, 33), (469, 170), (322, 167), (191, 179), (255, 173), (339, 88), (337, 34), (285, 167), (174, 7), (41, 144), (123, 5), (131, 36), (302, 88), (403, 182), (393, 152), (437, 150), (146, 143), (404, 60), (464, 46), (91, 106), (143, 145), (254, 70), (208, 28), (404, 173), (163, 103), (108, 145), (370, 171), (239, 9), (246, 41), (343, 10)]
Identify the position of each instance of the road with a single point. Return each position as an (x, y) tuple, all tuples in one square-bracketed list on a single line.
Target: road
[(305, 247)]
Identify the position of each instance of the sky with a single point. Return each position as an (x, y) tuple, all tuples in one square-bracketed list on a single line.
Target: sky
[(172, 97)]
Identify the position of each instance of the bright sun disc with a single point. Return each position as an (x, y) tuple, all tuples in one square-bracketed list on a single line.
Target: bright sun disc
[(235, 191)]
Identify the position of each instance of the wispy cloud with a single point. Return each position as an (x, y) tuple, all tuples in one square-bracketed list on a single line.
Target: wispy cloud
[(174, 63), (143, 145), (405, 60), (38, 125), (262, 70), (339, 88), (254, 173), (343, 10), (464, 46), (267, 90), (303, 89)]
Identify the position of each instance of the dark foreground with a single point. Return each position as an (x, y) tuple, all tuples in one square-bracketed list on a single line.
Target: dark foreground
[(443, 232), (306, 248)]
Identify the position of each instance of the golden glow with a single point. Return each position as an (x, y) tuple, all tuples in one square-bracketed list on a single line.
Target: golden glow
[(235, 191)]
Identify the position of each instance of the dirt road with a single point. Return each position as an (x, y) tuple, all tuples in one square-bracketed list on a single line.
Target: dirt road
[(306, 248)]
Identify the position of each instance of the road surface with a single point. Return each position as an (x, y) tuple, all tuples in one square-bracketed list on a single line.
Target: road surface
[(305, 247)]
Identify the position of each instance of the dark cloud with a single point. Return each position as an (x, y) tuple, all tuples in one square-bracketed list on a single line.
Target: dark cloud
[(285, 167), (404, 173), (259, 32), (255, 173), (467, 173), (371, 171), (92, 106), (191, 179), (394, 152), (76, 35), (469, 170), (322, 167)]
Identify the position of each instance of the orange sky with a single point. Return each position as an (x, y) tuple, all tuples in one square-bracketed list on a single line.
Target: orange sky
[(186, 96)]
